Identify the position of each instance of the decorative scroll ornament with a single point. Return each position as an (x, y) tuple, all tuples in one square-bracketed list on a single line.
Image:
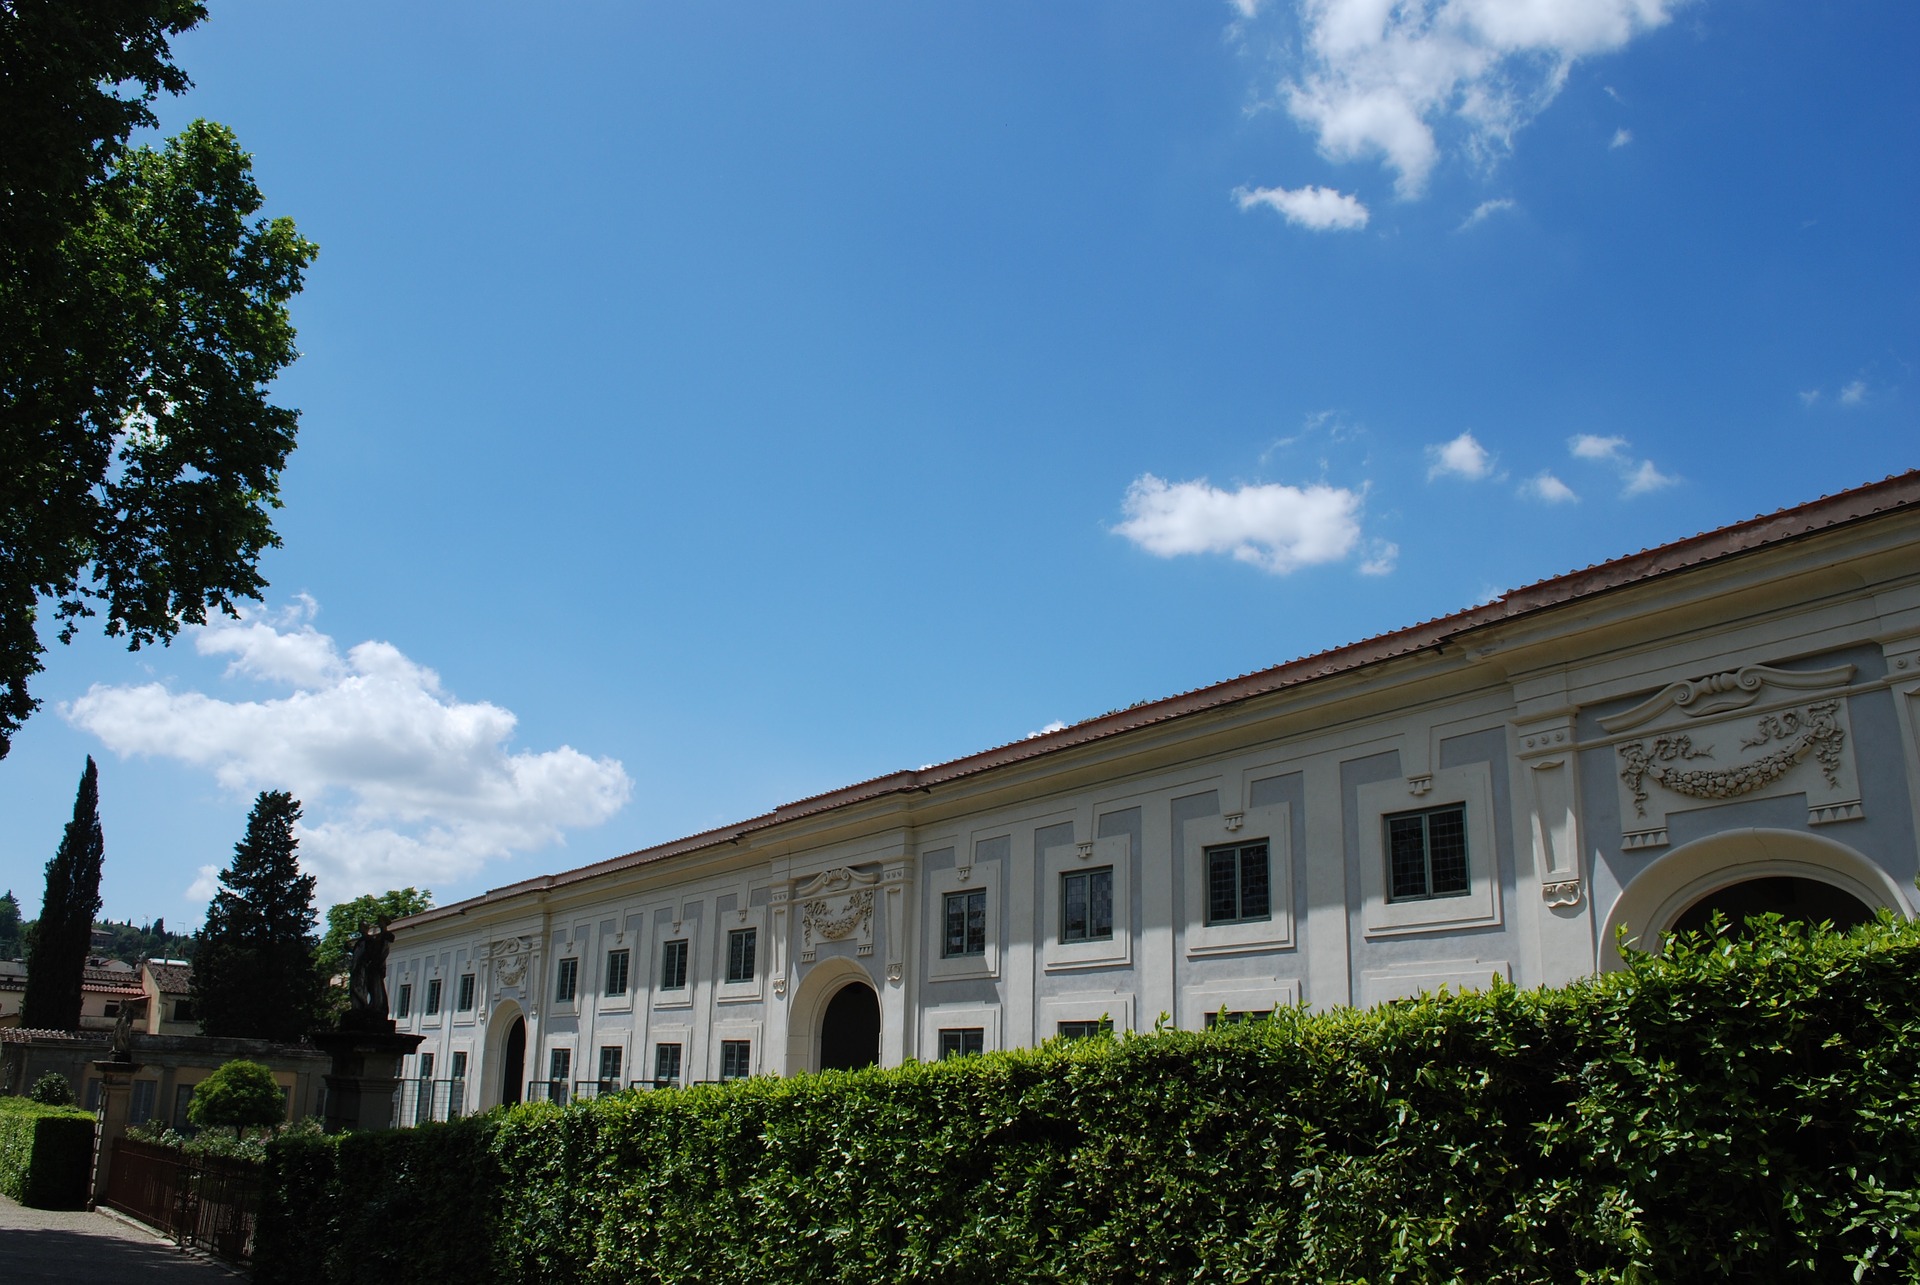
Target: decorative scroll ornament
[(1815, 732), (1564, 893), (1725, 692)]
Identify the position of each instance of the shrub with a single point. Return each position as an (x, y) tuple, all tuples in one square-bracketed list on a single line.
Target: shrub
[(237, 1095), (1741, 1109), (46, 1154), (52, 1090)]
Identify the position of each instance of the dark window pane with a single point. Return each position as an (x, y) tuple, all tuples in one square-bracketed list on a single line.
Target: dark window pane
[(1253, 882), (1222, 887), (976, 923), (1074, 908), (1447, 851), (1100, 903), (1406, 857)]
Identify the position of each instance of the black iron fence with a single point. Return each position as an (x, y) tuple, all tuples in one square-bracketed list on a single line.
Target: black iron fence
[(210, 1202), (422, 1101)]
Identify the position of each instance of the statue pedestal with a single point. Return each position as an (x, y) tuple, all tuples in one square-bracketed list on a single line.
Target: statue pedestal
[(366, 1071), (116, 1082)]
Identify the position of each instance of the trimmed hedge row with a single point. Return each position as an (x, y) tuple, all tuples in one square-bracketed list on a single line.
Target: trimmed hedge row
[(1743, 1110), (46, 1154)]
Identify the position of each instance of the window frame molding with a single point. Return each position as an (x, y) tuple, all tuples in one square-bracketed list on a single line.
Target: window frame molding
[(1071, 858), (680, 996), (572, 1001), (1469, 785), (731, 922), (1199, 1002), (724, 1032), (1276, 932), (985, 1016), (1085, 1006), (964, 876)]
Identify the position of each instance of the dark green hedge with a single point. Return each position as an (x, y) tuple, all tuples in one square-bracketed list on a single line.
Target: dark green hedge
[(1743, 1111), (46, 1154)]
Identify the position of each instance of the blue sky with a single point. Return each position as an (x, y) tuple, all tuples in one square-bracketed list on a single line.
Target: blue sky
[(708, 406)]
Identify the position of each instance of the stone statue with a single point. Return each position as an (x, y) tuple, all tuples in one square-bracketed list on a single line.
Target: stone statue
[(367, 974), (121, 1041)]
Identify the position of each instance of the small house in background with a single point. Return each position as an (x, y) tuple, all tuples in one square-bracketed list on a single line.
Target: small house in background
[(166, 985)]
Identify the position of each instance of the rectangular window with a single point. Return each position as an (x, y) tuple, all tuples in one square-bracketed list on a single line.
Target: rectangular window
[(459, 1067), (609, 1068), (617, 972), (559, 1067), (1238, 884), (404, 1004), (182, 1099), (1427, 854), (966, 915), (1086, 905), (457, 1089), (741, 945), (1221, 1018), (1085, 1030), (736, 1059), (962, 1041), (666, 1065), (673, 965), (566, 981), (463, 998), (433, 997), (183, 1010), (140, 1109), (426, 1066)]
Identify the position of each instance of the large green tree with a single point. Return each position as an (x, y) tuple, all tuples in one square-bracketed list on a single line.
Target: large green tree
[(343, 925), (253, 973), (57, 956), (142, 317)]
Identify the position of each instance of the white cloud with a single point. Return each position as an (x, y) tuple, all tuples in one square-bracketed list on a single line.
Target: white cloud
[(1854, 394), (1275, 527), (1636, 479), (1319, 208), (1587, 446), (1055, 726), (1808, 396), (1379, 76), (1462, 457), (1645, 477), (401, 782), (1486, 210), (1621, 137), (1382, 557), (1549, 488)]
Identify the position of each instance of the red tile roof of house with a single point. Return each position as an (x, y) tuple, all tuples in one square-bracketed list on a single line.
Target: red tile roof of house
[(1766, 530)]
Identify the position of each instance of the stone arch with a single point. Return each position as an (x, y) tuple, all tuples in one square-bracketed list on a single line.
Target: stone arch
[(823, 981), (494, 1085), (1661, 893)]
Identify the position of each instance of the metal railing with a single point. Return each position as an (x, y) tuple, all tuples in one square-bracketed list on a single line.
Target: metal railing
[(210, 1202), (425, 1101)]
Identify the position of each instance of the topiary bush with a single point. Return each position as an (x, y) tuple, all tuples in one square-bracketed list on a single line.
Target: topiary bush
[(238, 1095), (46, 1154), (52, 1090), (1743, 1108)]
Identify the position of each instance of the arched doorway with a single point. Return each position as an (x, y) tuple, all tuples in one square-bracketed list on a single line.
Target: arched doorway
[(1739, 868), (1810, 901), (513, 1063), (850, 1029)]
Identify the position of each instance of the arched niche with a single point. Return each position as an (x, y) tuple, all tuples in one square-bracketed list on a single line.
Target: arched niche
[(817, 990), (1664, 891)]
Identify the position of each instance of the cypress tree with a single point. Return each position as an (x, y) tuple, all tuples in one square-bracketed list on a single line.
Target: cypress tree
[(57, 955), (253, 973)]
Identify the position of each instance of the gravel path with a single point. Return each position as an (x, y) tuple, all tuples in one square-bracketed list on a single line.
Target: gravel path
[(95, 1248)]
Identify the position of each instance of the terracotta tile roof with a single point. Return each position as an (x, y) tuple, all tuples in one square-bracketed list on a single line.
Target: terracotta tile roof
[(172, 979), (24, 1034), (1897, 492)]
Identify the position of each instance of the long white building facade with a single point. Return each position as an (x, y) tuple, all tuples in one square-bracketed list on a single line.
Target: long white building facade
[(1728, 722)]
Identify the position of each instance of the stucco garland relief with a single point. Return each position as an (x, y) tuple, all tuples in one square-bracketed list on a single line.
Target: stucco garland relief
[(836, 905), (1653, 771), (508, 962)]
